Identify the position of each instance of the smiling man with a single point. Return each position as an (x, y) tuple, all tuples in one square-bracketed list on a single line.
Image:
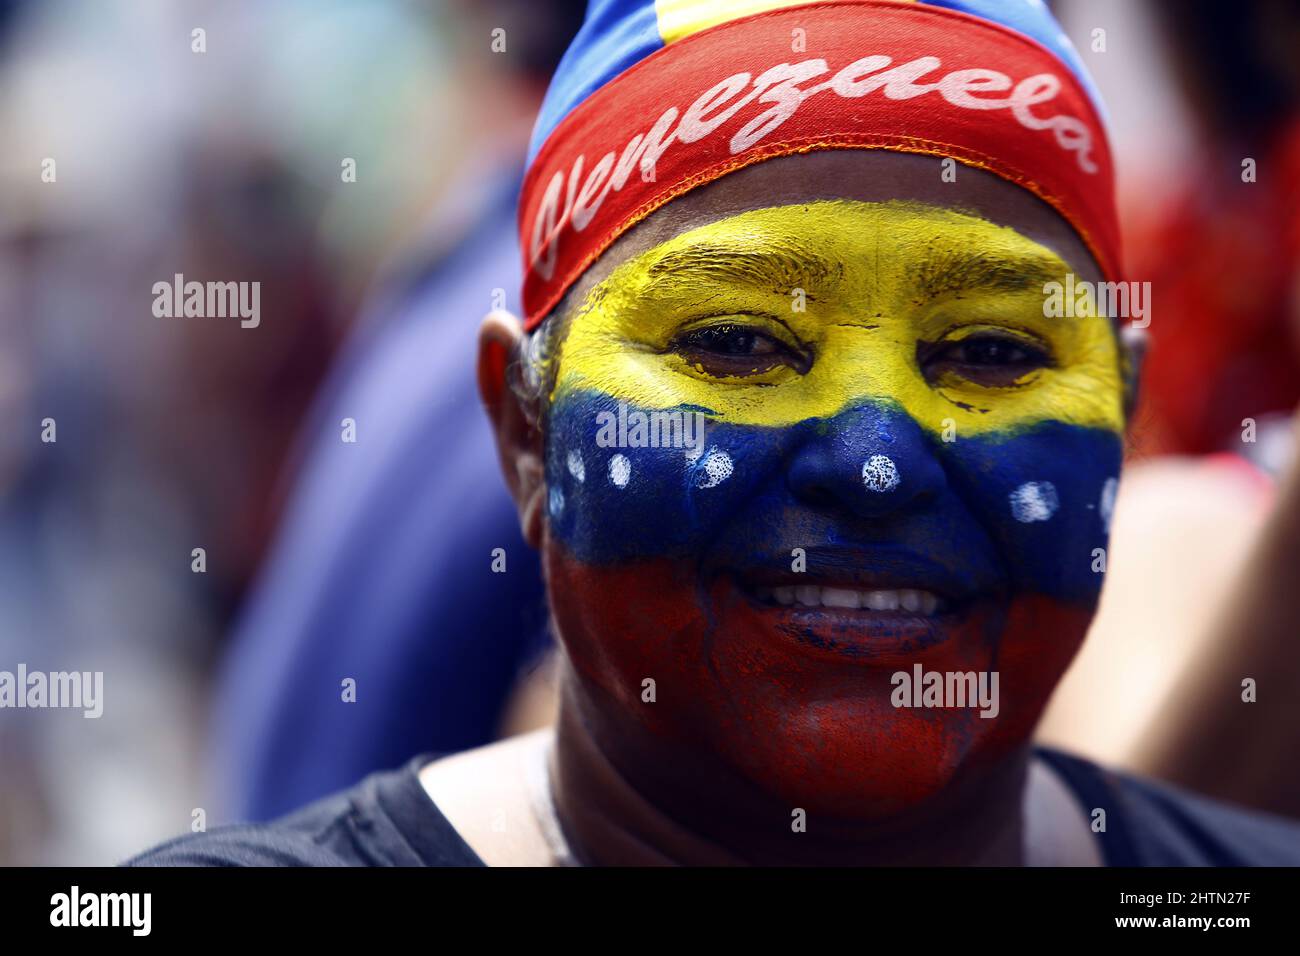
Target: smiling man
[(823, 632)]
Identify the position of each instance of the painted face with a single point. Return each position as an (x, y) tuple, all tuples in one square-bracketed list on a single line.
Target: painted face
[(902, 462)]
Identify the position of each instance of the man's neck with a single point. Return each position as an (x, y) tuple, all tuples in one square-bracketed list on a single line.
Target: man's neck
[(626, 798)]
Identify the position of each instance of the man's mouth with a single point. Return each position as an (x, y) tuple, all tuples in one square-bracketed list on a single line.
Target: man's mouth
[(879, 615)]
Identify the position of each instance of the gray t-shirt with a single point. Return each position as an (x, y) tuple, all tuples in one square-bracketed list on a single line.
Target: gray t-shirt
[(388, 820)]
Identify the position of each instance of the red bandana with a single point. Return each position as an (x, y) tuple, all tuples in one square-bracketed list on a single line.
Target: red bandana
[(876, 75)]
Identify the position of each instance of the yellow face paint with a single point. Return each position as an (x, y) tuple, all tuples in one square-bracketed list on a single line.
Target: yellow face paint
[(857, 287)]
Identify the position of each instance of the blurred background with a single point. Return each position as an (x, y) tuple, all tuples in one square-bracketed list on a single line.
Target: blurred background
[(223, 155)]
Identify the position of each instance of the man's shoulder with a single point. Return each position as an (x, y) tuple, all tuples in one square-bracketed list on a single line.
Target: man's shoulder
[(1178, 828), (1150, 823), (267, 844), (385, 820)]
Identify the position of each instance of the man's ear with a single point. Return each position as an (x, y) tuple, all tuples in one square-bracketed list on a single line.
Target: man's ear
[(1133, 347), (514, 420)]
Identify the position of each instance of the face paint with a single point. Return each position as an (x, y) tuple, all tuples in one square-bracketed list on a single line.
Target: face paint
[(883, 396)]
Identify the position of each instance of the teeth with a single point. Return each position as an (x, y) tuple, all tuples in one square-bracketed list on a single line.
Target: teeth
[(882, 600), (810, 595), (840, 597)]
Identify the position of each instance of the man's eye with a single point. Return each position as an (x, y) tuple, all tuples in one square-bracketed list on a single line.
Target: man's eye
[(734, 349), (728, 340), (991, 350), (986, 359)]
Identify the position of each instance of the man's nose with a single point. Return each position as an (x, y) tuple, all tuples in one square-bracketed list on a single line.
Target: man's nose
[(869, 461)]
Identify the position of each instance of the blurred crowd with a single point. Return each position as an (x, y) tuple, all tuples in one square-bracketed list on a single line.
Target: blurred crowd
[(222, 154), (221, 163)]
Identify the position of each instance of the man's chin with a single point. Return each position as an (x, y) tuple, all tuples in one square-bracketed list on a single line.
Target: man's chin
[(827, 731), (858, 759)]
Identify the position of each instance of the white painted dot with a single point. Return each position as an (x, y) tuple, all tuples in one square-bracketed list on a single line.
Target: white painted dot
[(879, 473), (1107, 504), (1034, 501), (555, 502), (620, 471), (576, 468), (715, 469)]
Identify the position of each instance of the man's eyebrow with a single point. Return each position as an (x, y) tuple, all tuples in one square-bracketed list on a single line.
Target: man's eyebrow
[(948, 271), (777, 268)]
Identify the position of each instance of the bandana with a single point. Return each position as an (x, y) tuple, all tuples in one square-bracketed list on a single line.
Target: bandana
[(654, 99)]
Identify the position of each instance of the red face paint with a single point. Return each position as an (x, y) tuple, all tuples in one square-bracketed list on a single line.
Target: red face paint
[(815, 728)]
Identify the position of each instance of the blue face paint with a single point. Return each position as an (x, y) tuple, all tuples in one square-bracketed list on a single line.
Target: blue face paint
[(1022, 511)]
